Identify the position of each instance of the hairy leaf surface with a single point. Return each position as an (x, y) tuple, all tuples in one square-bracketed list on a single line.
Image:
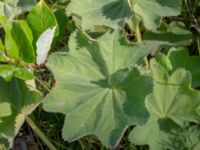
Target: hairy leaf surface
[(174, 34), (172, 104), (100, 12), (152, 11), (96, 83), (179, 58)]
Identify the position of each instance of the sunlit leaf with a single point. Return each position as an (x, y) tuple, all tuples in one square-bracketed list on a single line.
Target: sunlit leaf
[(23, 38), (172, 104), (152, 11), (96, 84), (100, 12), (173, 35), (9, 43), (179, 58), (41, 18)]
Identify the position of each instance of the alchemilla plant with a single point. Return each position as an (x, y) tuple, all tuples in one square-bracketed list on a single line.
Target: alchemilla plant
[(111, 71)]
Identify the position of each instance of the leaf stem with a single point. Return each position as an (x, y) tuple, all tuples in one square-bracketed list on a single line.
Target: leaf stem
[(47, 88), (136, 26), (138, 33), (40, 134)]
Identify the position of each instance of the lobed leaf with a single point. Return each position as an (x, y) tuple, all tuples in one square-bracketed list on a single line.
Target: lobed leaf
[(96, 82), (100, 12), (172, 104), (152, 11), (172, 35), (179, 58)]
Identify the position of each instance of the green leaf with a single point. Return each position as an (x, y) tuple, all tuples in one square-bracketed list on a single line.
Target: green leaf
[(6, 72), (41, 18), (65, 25), (2, 49), (172, 104), (22, 100), (63, 21), (5, 110), (4, 144), (179, 58), (174, 35), (193, 137), (26, 5), (3, 57), (155, 133), (22, 73), (8, 8), (23, 37), (95, 83), (189, 138), (152, 11), (12, 8), (105, 12), (10, 45), (9, 71)]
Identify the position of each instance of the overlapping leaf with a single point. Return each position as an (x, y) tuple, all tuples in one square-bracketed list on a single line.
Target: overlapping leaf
[(12, 8), (12, 50), (44, 44), (5, 110), (100, 12), (19, 100), (189, 138), (179, 58), (41, 18), (172, 104), (8, 71), (152, 11), (173, 34), (115, 12), (96, 83), (23, 37)]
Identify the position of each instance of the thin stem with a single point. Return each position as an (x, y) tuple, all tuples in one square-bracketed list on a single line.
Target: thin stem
[(136, 25), (47, 88), (40, 134), (138, 33)]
